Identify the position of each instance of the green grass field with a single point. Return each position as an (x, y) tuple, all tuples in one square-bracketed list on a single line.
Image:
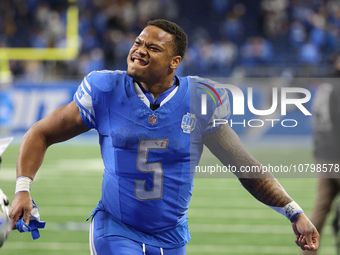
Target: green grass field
[(223, 217)]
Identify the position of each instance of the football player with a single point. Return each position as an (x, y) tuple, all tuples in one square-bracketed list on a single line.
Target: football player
[(326, 121), (151, 132)]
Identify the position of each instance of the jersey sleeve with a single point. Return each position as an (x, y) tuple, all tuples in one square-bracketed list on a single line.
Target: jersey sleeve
[(84, 100)]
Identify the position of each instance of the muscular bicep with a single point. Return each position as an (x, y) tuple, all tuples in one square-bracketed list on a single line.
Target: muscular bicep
[(62, 124)]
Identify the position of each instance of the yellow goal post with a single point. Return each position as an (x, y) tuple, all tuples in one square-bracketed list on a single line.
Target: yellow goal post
[(70, 52)]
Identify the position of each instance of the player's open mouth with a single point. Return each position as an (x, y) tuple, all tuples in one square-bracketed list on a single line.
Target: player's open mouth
[(139, 61)]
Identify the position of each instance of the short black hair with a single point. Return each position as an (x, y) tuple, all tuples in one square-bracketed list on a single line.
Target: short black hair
[(180, 37)]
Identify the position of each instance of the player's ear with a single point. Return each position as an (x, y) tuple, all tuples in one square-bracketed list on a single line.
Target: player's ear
[(175, 61)]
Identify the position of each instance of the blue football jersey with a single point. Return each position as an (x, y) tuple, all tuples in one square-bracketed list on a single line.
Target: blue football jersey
[(149, 155)]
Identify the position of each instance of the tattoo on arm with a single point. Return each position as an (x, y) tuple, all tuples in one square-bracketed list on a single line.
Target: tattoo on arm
[(227, 147), (268, 191)]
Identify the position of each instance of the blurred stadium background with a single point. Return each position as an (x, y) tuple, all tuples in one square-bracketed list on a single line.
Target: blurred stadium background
[(47, 47)]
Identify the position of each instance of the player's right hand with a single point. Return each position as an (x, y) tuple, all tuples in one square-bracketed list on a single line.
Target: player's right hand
[(22, 206), (307, 237)]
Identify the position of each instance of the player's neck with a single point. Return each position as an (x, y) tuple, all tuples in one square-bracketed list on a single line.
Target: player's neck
[(157, 88)]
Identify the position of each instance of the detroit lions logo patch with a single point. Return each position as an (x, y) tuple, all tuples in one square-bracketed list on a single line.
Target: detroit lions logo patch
[(188, 123)]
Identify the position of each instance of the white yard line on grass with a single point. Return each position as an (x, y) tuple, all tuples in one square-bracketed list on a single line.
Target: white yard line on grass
[(48, 246), (227, 213), (250, 249)]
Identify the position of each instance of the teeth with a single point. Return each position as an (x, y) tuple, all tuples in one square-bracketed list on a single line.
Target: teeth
[(140, 62)]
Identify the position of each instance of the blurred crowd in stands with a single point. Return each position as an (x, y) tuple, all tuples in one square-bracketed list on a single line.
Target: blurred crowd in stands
[(226, 37)]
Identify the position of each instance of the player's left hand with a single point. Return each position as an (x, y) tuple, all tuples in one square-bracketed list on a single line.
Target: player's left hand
[(307, 237)]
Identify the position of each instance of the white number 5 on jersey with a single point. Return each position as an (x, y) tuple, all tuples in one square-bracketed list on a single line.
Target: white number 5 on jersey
[(153, 167)]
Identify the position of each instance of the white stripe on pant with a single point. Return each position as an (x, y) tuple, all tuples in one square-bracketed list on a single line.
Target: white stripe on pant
[(92, 248)]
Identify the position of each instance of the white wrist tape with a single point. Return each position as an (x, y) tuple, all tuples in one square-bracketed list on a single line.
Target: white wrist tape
[(289, 210), (23, 184)]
